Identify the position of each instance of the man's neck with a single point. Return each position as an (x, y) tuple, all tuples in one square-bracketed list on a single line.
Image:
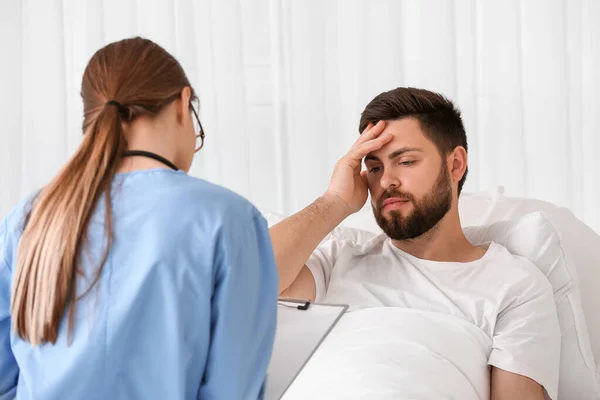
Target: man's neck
[(445, 242)]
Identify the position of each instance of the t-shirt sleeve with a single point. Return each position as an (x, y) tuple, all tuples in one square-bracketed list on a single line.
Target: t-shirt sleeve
[(526, 338), (321, 263)]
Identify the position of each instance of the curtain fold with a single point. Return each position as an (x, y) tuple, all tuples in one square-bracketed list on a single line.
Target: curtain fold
[(282, 84)]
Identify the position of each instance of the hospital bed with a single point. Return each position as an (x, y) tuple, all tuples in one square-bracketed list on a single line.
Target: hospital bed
[(376, 347)]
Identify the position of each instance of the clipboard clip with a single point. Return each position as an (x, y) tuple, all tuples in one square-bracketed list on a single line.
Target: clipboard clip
[(303, 306)]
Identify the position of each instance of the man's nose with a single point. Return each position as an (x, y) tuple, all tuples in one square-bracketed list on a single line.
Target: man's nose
[(389, 180)]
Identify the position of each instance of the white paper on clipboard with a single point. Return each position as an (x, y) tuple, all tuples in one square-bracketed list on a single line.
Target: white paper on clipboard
[(299, 333)]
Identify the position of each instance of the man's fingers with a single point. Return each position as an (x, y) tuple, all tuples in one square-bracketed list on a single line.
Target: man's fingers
[(371, 140), (361, 150), (372, 131)]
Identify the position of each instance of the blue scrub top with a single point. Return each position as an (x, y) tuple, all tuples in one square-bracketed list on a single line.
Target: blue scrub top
[(185, 307)]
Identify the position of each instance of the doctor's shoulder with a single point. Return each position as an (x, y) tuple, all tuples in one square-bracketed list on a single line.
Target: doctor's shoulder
[(201, 196), (14, 222)]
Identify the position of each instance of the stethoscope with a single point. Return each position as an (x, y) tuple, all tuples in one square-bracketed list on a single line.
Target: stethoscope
[(143, 153)]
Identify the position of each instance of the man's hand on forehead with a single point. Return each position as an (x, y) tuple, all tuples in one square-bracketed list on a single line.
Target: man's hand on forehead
[(370, 140), (347, 182)]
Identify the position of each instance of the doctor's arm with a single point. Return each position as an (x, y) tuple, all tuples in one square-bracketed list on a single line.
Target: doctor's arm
[(243, 311), (9, 370)]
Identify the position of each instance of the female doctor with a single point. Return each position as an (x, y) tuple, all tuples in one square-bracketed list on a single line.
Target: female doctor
[(124, 277)]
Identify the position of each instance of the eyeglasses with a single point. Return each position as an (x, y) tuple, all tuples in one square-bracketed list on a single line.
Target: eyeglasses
[(197, 128)]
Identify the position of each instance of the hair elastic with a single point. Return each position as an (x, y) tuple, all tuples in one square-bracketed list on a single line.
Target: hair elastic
[(114, 103)]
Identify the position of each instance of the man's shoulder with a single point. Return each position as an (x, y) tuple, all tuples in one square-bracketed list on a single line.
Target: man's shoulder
[(518, 272)]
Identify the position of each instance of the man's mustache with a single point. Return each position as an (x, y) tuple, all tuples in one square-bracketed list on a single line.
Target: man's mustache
[(396, 194)]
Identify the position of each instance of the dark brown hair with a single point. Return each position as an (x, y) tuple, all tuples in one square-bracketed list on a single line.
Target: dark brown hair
[(439, 119), (143, 78)]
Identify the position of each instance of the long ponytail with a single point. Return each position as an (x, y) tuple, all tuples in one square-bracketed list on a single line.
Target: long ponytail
[(51, 244), (143, 78)]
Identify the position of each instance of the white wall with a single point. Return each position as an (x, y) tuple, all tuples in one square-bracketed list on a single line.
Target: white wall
[(282, 84)]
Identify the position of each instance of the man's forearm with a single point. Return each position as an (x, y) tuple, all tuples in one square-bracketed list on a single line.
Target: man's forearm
[(295, 238), (508, 386)]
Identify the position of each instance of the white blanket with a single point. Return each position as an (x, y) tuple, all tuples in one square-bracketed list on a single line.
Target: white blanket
[(396, 353)]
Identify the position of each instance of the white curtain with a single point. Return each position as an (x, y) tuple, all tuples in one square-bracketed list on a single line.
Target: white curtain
[(282, 84)]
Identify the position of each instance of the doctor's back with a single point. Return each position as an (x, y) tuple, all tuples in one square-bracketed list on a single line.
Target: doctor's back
[(156, 285)]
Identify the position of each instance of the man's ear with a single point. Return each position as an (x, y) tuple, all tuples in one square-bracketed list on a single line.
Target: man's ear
[(458, 163)]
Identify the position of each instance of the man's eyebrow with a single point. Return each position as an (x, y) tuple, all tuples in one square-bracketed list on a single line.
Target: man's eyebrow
[(403, 150), (394, 154)]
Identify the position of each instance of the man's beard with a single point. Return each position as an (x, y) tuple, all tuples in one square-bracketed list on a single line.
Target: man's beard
[(426, 213)]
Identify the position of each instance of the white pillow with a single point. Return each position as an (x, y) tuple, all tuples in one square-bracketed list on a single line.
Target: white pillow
[(577, 240), (535, 238)]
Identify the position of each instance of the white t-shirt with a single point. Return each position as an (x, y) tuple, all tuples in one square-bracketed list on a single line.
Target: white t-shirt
[(506, 296)]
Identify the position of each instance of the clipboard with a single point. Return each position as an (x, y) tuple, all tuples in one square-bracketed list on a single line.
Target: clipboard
[(301, 327)]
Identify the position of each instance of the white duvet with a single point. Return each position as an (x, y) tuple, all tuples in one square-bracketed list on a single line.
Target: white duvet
[(397, 353)]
